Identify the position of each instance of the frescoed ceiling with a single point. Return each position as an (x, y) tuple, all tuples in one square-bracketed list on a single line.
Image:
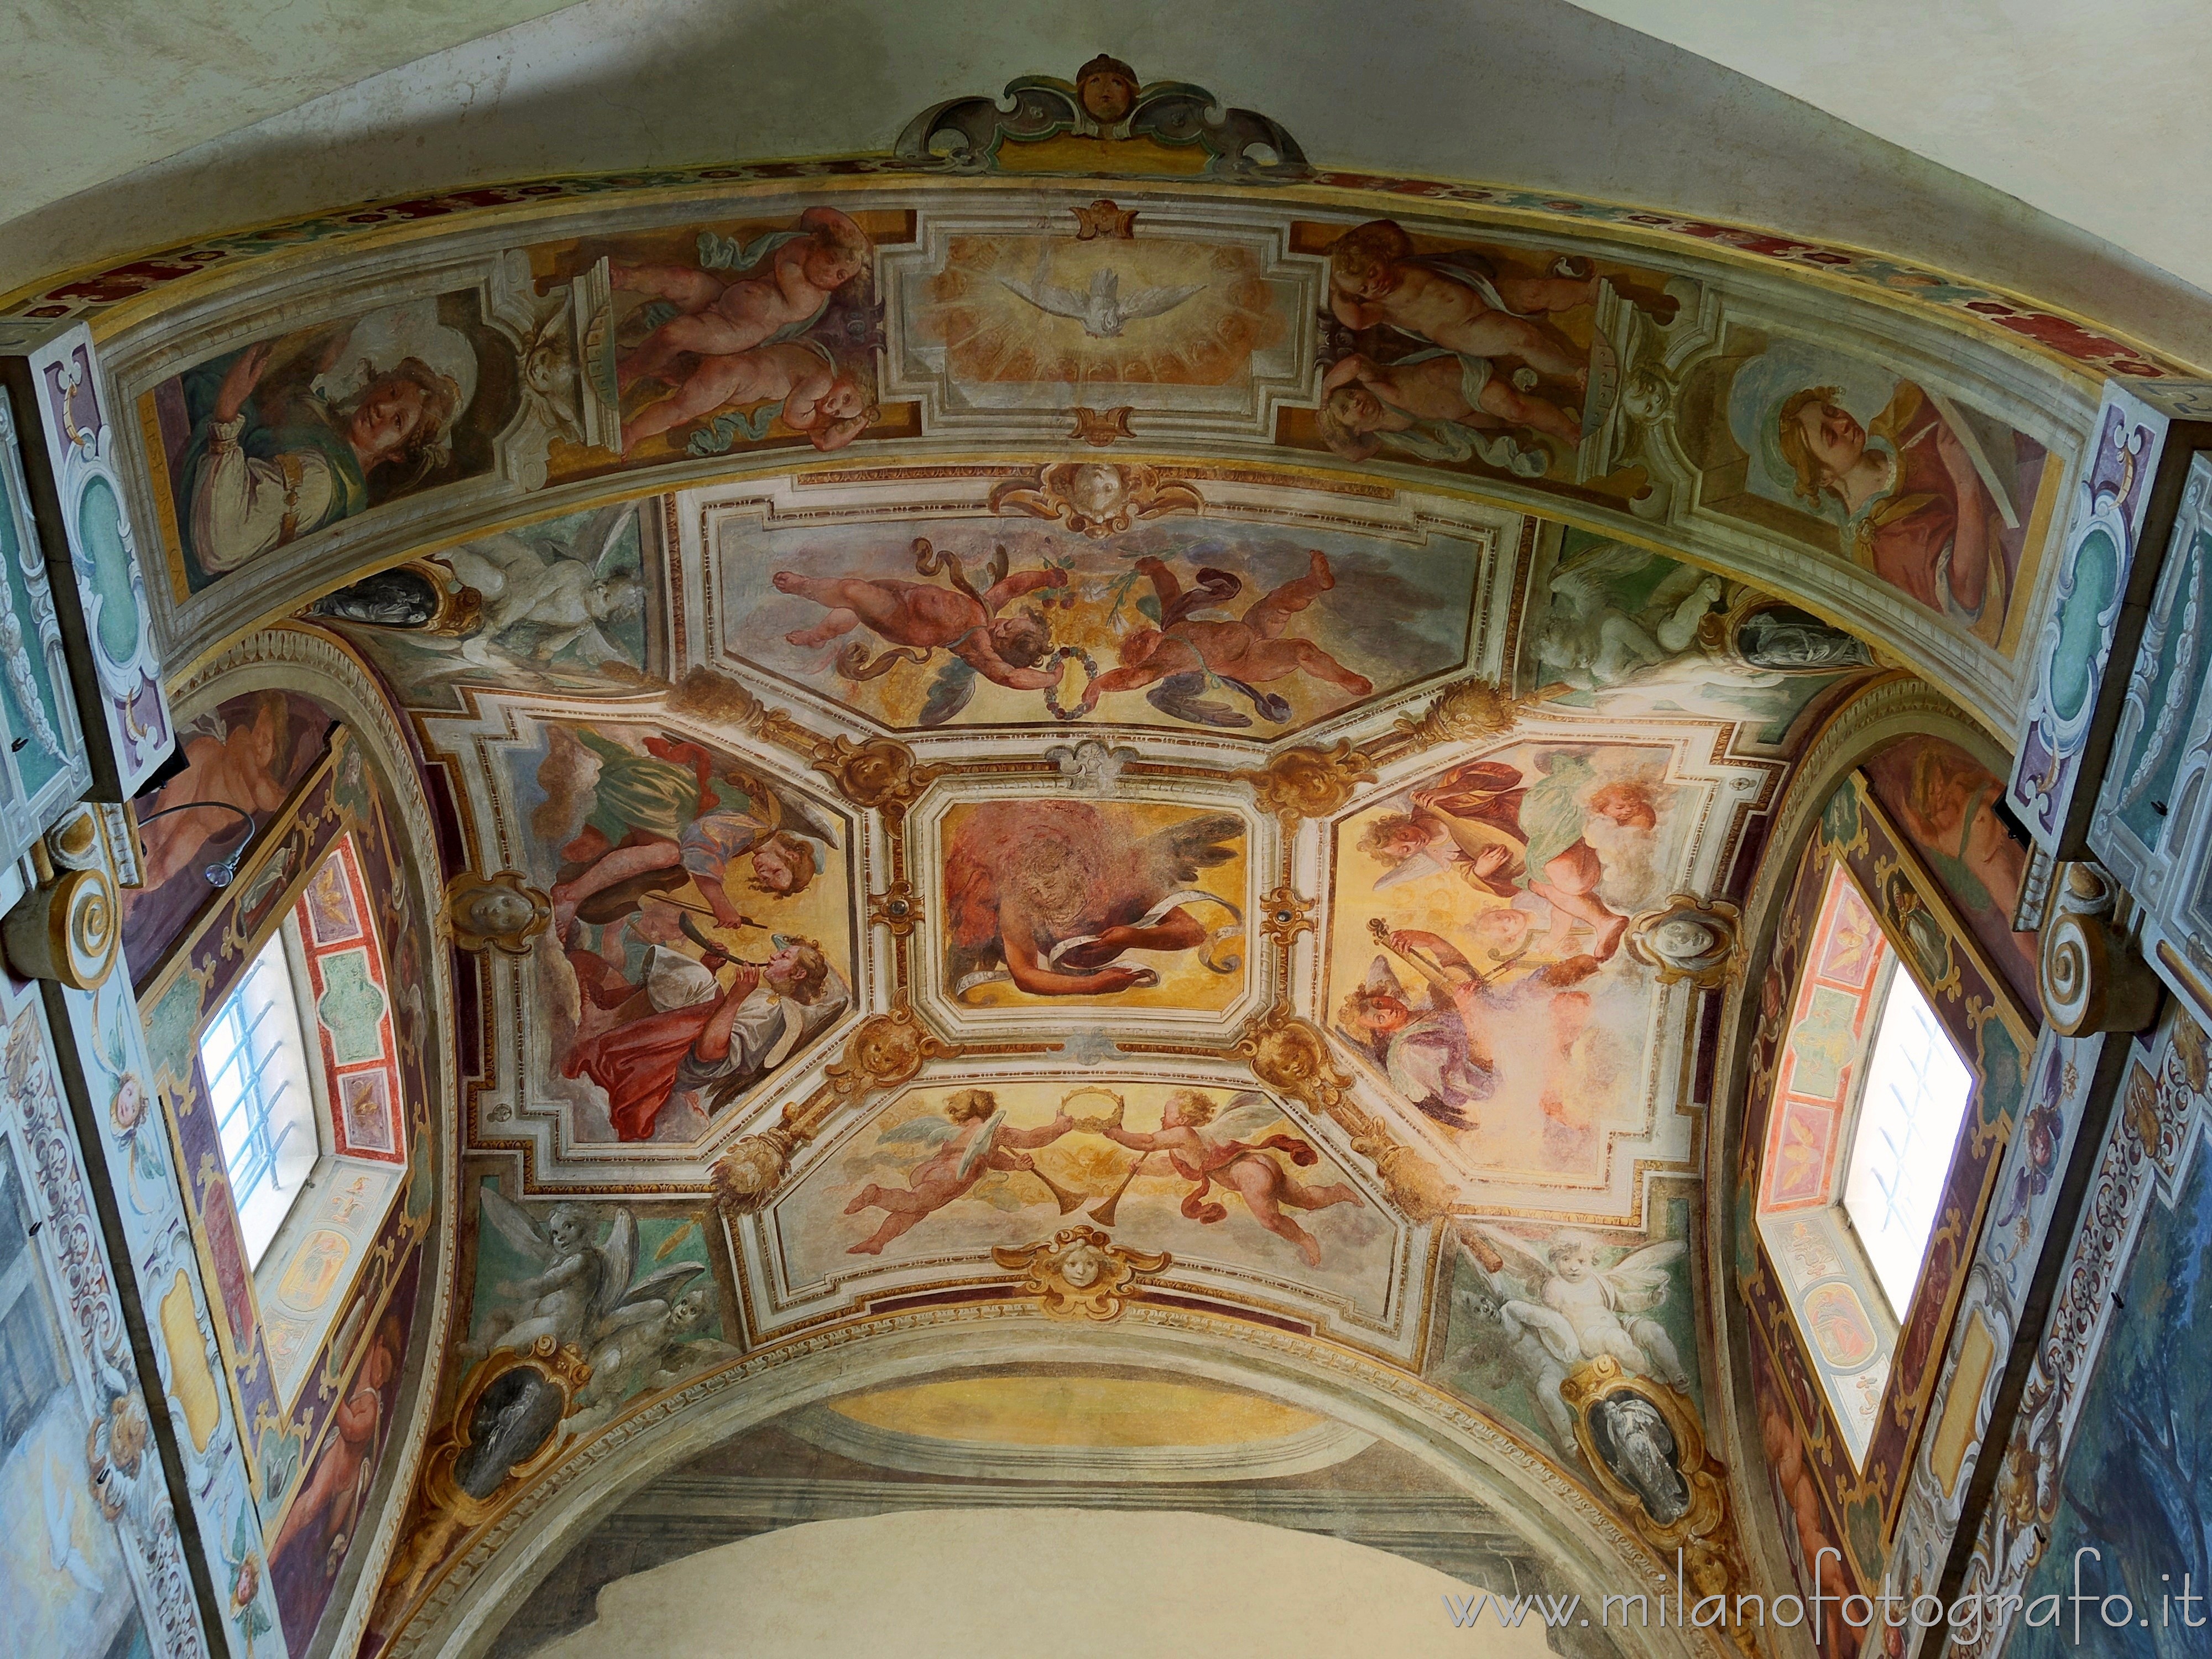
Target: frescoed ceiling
[(1261, 896), (1086, 749)]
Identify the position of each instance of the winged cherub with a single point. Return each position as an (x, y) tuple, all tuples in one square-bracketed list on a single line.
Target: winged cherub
[(587, 1294), (1592, 642), (1206, 1145), (1582, 1310), (967, 1142), (1101, 311), (918, 619)]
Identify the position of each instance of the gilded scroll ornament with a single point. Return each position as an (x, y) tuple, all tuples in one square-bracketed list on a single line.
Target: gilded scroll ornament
[(1080, 1272), (1311, 783), (501, 911)]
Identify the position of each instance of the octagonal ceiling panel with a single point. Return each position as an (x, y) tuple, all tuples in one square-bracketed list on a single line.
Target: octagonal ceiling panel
[(1167, 598), (898, 1207)]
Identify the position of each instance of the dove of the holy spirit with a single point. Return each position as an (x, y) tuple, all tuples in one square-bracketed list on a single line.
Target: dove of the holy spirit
[(1101, 311)]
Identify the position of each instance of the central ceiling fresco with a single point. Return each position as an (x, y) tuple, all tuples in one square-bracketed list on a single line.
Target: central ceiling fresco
[(1185, 753)]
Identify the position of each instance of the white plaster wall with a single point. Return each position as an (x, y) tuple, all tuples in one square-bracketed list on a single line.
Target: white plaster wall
[(1073, 1583), (87, 92), (1527, 92), (2094, 113)]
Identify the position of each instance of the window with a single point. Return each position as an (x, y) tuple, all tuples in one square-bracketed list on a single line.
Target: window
[(254, 1056), (1870, 1094), (1910, 1109)]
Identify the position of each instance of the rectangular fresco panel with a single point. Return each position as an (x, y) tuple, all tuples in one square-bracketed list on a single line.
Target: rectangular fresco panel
[(268, 443), (1938, 500), (730, 335), (1476, 958), (1947, 804), (1220, 1176), (1121, 904), (243, 758), (1199, 624)]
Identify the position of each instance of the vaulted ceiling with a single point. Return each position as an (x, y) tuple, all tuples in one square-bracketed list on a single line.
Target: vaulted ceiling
[(1090, 745)]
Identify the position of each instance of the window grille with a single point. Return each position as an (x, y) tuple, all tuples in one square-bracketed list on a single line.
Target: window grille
[(254, 1056), (1916, 1094)]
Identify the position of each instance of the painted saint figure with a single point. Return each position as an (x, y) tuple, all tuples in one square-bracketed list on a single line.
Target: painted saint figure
[(703, 1036), (1920, 513), (669, 817), (267, 464)]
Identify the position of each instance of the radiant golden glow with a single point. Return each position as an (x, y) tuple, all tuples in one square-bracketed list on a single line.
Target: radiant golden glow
[(1076, 1410), (992, 333)]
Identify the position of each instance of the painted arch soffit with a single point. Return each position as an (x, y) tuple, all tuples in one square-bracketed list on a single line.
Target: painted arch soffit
[(1889, 450)]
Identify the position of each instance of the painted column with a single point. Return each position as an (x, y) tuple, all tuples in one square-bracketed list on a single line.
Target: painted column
[(87, 726)]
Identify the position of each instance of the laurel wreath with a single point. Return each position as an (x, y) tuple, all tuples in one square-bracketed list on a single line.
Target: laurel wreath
[(1089, 670)]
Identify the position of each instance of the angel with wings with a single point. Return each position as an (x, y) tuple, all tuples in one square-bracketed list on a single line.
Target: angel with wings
[(585, 1294), (1205, 1145), (919, 619), (968, 1141), (1595, 638), (1581, 1309), (541, 601), (1102, 309)]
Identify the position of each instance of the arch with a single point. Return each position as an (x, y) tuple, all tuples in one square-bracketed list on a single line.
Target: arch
[(463, 1613), (309, 662), (1886, 712)]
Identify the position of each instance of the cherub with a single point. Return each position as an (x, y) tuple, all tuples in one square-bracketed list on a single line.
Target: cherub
[(557, 1301), (585, 1295), (1177, 658), (771, 302), (971, 1140), (536, 608), (660, 1343), (1200, 1141), (1505, 833), (1453, 300), (811, 395), (1418, 404), (1591, 643), (925, 617), (1583, 1311)]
